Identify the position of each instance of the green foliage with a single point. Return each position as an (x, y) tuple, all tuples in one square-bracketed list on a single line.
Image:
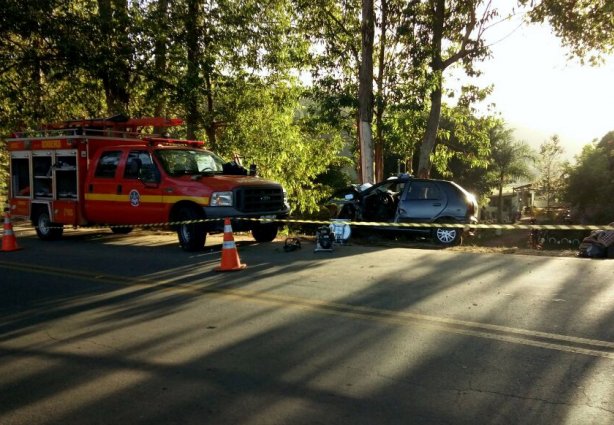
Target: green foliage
[(450, 34), (288, 145), (586, 27), (551, 181), (590, 183), (403, 128), (506, 161), (511, 160), (463, 136)]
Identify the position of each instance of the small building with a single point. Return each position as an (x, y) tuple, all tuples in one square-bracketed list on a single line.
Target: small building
[(518, 201), (509, 209)]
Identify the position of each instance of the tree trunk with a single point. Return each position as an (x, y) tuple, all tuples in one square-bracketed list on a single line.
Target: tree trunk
[(430, 137), (114, 70), (210, 124), (365, 92), (437, 67), (193, 74), (359, 165), (379, 149), (39, 111), (500, 203), (380, 104), (160, 61)]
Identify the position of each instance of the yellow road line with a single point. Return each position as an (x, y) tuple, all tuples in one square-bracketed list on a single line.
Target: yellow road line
[(545, 340)]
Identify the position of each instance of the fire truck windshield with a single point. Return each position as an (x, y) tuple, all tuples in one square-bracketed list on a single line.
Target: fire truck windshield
[(177, 162)]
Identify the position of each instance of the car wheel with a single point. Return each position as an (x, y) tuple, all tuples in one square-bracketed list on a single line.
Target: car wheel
[(45, 229), (447, 236), (192, 236), (265, 232)]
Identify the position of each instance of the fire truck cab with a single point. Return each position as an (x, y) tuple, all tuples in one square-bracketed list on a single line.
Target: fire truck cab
[(106, 172)]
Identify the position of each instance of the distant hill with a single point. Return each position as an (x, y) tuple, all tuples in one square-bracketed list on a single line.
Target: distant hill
[(535, 138)]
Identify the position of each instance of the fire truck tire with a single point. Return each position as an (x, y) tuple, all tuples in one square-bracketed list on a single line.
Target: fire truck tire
[(265, 232), (192, 236), (121, 230), (45, 229)]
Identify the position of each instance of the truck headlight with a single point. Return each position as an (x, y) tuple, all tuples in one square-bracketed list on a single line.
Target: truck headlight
[(221, 199)]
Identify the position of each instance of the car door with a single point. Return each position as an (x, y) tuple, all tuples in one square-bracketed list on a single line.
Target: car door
[(140, 198), (101, 191), (422, 201)]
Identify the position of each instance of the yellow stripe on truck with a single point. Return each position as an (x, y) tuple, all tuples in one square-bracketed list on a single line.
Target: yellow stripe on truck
[(202, 200), (105, 197)]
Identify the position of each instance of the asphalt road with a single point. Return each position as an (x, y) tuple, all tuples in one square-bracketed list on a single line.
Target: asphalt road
[(106, 329)]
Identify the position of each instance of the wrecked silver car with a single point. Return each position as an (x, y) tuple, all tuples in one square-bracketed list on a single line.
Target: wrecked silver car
[(405, 199)]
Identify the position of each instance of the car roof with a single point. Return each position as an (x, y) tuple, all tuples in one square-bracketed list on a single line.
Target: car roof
[(409, 177)]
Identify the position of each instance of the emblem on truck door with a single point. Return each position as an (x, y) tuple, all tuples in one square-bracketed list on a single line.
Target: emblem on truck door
[(135, 198)]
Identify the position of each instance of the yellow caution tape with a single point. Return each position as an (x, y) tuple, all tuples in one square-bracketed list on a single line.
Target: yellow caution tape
[(437, 225)]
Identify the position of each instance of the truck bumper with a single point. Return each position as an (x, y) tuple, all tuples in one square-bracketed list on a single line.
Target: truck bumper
[(242, 221)]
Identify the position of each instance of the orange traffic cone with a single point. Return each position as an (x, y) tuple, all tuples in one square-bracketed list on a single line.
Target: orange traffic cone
[(230, 256), (9, 243)]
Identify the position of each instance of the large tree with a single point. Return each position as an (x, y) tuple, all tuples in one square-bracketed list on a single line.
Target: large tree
[(201, 60), (452, 33), (112, 60), (42, 45), (395, 66), (590, 183), (365, 92), (272, 129), (510, 161), (551, 169)]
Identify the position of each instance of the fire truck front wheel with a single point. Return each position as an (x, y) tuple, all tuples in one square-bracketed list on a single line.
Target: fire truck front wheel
[(192, 236), (265, 232), (45, 229)]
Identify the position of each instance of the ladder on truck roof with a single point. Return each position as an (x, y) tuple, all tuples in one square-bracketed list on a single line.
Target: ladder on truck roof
[(117, 122), (116, 127)]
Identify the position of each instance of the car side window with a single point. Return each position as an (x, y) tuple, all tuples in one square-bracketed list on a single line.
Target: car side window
[(432, 192), (423, 191), (107, 164)]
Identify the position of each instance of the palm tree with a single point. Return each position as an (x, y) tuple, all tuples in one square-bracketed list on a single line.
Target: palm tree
[(510, 161)]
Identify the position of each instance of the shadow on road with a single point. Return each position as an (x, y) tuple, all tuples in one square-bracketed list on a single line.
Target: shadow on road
[(143, 334)]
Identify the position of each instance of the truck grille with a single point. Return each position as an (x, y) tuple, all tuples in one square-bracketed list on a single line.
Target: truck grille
[(259, 199)]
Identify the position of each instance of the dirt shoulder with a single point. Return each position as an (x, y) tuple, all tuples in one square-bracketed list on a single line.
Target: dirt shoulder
[(518, 242), (492, 242)]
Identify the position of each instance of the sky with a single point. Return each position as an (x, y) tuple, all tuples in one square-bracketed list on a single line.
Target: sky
[(539, 92)]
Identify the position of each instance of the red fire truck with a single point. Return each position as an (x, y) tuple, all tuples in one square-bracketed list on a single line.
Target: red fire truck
[(108, 172)]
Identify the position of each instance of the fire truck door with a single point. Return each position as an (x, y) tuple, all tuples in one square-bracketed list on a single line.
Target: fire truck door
[(101, 189), (140, 196)]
